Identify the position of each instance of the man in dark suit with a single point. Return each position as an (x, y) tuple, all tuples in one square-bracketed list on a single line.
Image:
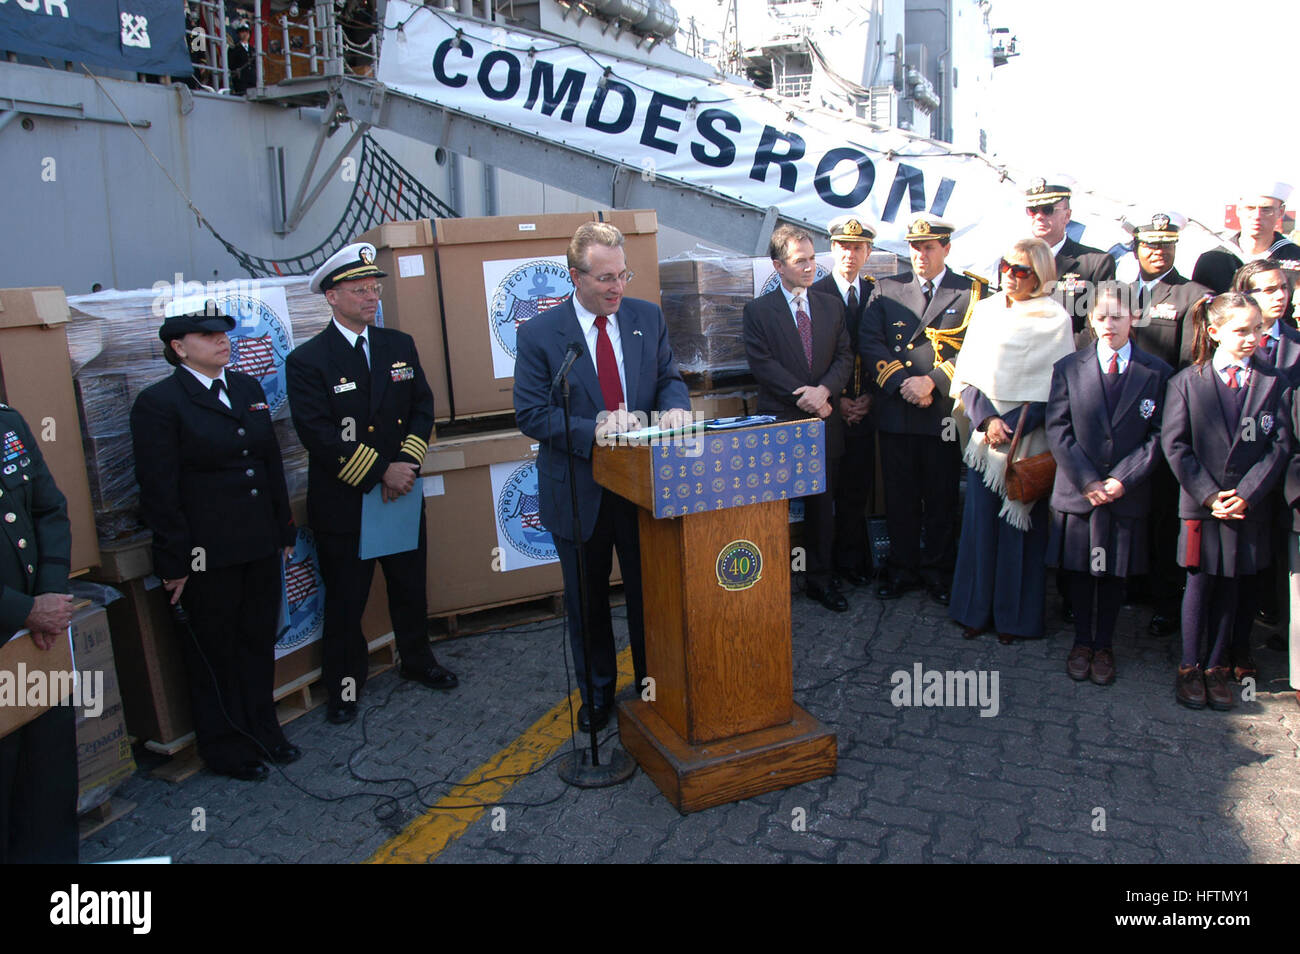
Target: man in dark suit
[(1163, 298), (1260, 211), (364, 411), (851, 241), (799, 353), (38, 761), (625, 367), (910, 336), (1078, 267)]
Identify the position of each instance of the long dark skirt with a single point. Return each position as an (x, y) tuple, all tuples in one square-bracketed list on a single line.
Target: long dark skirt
[(1001, 577)]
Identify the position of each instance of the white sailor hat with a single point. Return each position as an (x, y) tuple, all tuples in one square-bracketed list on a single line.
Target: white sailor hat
[(347, 264), (923, 226), (851, 228), (1048, 190), (1265, 189), (1157, 228)]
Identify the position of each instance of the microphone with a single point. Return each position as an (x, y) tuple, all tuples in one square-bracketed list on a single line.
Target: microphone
[(572, 353)]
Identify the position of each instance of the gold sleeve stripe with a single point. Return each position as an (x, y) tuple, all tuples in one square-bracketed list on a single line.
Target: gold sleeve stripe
[(413, 445), (887, 372), (363, 458), (947, 368)]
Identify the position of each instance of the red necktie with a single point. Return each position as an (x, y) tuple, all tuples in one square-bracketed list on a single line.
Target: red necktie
[(1269, 342), (1114, 364), (805, 328), (1232, 377), (611, 389)]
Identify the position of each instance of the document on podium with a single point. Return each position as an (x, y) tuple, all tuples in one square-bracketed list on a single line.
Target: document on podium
[(392, 527)]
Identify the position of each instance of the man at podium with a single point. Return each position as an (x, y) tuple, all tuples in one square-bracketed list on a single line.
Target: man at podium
[(624, 365)]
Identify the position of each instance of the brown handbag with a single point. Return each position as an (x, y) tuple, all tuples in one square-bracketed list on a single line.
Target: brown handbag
[(1030, 479)]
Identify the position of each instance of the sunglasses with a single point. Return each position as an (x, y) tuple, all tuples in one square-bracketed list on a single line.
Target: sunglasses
[(1019, 271), (1044, 210)]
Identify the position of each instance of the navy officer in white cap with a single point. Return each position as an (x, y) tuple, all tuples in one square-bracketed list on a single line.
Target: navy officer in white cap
[(364, 411)]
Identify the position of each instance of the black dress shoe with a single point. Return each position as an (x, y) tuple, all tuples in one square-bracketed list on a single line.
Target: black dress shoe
[(1276, 642), (856, 577), (285, 753), (1267, 617), (250, 771), (1162, 625), (939, 593), (341, 713), (830, 597), (587, 721), (1067, 612), (892, 589), (433, 675)]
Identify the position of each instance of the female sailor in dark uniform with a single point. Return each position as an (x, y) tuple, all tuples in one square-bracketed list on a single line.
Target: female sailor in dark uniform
[(212, 491)]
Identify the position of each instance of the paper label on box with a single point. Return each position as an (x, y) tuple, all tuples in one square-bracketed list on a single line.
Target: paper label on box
[(516, 290), (433, 486), (302, 603), (410, 266), (522, 539), (527, 227)]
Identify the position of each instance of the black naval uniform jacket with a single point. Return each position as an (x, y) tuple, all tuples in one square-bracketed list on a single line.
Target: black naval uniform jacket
[(1215, 269), (1165, 327), (354, 422), (859, 382), (37, 547), (210, 476), (894, 346), (776, 357), (1079, 267)]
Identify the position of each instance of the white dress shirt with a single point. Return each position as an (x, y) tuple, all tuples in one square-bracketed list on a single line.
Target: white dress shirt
[(203, 379)]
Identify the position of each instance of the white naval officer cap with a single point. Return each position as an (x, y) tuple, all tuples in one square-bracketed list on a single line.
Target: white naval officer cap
[(347, 264)]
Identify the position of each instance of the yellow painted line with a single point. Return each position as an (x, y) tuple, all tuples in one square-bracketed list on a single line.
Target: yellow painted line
[(426, 837)]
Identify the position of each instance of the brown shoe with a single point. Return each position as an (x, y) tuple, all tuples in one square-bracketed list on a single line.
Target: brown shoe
[(1006, 639), (1245, 668), (1103, 667), (1218, 693), (1078, 662), (1189, 687)]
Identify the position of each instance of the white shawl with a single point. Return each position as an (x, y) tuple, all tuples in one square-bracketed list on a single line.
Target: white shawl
[(1008, 353)]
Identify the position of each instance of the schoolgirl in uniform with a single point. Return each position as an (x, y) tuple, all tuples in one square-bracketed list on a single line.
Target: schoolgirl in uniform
[(1103, 427), (1226, 436)]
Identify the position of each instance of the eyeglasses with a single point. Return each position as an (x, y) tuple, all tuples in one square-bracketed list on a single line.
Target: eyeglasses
[(377, 289), (625, 277), (1018, 271)]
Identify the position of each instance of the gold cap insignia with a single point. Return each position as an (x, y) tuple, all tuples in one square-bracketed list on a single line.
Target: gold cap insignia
[(366, 256), (1037, 185), (920, 227), (1160, 221), (852, 227)]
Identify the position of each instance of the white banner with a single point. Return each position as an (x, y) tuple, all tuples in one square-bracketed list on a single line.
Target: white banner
[(811, 163)]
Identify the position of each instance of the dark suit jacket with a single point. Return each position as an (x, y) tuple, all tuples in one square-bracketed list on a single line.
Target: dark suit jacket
[(1165, 327), (1206, 458), (1291, 477), (859, 383), (1091, 443), (36, 547), (1216, 268), (653, 384), (776, 357), (210, 476), (894, 346), (354, 422), (1076, 263), (1287, 356)]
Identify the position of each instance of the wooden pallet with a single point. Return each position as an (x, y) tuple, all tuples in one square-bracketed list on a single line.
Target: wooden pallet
[(105, 813), (493, 616), (292, 701)]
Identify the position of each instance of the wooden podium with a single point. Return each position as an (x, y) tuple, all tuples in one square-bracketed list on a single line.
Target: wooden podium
[(715, 569)]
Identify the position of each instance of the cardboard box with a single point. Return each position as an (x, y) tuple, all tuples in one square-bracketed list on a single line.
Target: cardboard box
[(451, 314), (19, 660), (104, 758), (476, 534), (411, 299), (36, 379)]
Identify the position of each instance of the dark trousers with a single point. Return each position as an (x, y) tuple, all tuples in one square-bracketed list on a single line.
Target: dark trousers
[(1165, 576), (616, 528), (920, 474), (819, 529), (38, 790), (347, 585), (854, 485), (229, 650)]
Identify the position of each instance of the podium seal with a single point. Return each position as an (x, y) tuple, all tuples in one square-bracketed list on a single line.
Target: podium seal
[(739, 565)]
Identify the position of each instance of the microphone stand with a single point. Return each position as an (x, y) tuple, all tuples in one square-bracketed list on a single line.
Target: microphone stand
[(582, 769)]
